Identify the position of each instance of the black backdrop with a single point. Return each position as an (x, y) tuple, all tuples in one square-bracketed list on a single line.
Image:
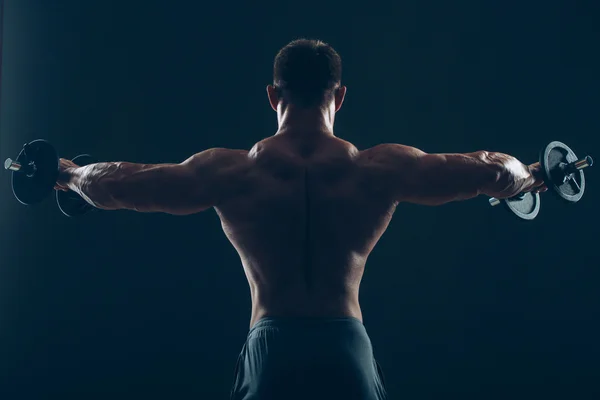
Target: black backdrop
[(459, 300)]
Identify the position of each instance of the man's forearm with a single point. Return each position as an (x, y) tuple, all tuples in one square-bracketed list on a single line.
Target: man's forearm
[(96, 183)]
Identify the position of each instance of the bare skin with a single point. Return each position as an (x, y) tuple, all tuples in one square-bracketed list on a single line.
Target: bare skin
[(304, 209)]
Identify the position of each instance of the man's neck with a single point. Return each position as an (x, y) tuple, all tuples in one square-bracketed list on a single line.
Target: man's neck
[(305, 121)]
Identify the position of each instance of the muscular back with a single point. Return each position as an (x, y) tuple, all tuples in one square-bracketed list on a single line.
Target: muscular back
[(303, 212), (304, 217)]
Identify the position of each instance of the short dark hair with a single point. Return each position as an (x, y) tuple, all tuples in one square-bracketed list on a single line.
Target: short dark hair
[(307, 72)]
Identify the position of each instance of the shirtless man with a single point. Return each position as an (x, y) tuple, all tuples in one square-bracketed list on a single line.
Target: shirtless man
[(303, 209)]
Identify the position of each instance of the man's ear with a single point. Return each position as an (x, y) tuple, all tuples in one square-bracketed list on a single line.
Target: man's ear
[(273, 96), (340, 95)]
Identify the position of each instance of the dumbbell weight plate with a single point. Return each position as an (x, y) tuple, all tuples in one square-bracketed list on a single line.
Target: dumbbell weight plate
[(70, 203), (32, 190), (525, 207), (551, 157)]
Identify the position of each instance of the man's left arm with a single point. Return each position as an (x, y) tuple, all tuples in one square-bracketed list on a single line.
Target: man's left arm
[(194, 185)]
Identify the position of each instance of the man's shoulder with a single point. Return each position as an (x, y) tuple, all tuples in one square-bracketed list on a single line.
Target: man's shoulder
[(223, 152), (388, 153), (218, 162), (221, 156)]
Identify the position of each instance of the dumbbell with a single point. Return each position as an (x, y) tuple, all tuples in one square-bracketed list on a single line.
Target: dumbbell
[(563, 175), (34, 175)]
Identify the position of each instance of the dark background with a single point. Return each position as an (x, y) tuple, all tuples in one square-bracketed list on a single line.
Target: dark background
[(460, 300)]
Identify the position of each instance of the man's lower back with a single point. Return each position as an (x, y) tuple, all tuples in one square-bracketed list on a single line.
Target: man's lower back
[(308, 358)]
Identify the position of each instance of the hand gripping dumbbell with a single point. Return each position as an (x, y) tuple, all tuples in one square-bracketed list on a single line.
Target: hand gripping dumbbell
[(563, 175), (34, 175)]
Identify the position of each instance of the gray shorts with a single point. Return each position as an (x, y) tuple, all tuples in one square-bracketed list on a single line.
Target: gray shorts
[(309, 359)]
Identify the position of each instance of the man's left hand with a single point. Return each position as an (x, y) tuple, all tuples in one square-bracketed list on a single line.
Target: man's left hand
[(64, 168)]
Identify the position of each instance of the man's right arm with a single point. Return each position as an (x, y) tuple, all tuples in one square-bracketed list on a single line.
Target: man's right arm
[(433, 179)]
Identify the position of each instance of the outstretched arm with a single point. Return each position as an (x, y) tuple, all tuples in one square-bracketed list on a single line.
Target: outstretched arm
[(194, 185), (434, 179)]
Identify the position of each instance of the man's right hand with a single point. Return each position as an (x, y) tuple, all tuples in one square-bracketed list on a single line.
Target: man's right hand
[(538, 185)]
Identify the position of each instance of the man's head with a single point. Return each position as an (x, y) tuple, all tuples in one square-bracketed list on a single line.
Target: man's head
[(307, 74)]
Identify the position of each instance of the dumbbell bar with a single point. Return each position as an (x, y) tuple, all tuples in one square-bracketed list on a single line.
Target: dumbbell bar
[(585, 162), (14, 166)]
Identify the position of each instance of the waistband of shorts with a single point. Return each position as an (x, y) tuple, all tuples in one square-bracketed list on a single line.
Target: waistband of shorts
[(305, 322)]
